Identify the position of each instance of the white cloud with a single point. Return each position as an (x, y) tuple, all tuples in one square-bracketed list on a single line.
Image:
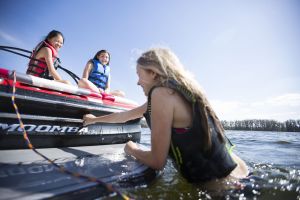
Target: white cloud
[(9, 38), (280, 108), (292, 100)]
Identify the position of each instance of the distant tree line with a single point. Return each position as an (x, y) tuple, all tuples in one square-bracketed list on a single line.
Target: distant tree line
[(262, 125), (256, 125)]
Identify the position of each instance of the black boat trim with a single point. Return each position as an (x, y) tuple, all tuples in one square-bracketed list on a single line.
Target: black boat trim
[(39, 117), (56, 102)]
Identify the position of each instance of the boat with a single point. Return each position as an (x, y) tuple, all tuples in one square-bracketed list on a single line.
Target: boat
[(47, 153), (52, 114)]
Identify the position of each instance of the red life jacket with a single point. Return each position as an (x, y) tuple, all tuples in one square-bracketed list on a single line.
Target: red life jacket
[(39, 67)]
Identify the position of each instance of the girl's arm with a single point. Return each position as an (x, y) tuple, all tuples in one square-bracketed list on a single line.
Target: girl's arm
[(48, 58), (87, 70), (241, 171), (107, 89), (161, 123), (120, 117)]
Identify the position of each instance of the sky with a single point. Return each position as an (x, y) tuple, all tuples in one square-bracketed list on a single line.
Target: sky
[(244, 54)]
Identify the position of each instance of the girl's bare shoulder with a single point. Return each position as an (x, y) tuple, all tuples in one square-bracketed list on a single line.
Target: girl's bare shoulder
[(163, 91), (165, 95)]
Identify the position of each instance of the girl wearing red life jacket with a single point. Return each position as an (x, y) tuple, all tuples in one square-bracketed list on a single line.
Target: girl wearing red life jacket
[(45, 58)]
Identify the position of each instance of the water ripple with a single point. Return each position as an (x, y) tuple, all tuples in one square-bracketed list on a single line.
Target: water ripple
[(272, 157)]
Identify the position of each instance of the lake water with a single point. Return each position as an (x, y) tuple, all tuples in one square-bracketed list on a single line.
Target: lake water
[(273, 159)]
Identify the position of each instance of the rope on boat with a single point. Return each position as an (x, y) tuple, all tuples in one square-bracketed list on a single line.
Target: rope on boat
[(108, 186)]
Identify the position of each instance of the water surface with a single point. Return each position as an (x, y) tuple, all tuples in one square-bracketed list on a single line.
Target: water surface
[(273, 159)]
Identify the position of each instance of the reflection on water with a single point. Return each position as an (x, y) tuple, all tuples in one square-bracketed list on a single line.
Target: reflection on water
[(273, 159)]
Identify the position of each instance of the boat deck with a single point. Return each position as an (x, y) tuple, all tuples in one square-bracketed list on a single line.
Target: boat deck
[(25, 175)]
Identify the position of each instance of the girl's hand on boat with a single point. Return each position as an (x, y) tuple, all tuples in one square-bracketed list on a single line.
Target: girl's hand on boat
[(88, 119), (129, 147)]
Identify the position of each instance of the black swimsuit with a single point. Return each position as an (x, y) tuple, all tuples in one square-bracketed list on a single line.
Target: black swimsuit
[(195, 164)]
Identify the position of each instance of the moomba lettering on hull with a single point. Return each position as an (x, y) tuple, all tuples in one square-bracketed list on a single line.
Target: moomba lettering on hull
[(33, 128), (72, 129)]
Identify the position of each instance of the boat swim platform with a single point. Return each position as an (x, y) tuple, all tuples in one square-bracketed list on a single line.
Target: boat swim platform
[(26, 175)]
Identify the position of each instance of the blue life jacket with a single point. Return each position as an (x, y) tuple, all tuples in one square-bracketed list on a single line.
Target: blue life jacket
[(195, 164), (100, 74)]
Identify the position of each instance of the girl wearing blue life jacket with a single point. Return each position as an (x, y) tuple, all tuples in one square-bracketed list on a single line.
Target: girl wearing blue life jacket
[(96, 74), (182, 122)]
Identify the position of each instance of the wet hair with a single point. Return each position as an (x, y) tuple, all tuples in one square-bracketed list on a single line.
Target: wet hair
[(168, 67), (53, 34), (100, 52)]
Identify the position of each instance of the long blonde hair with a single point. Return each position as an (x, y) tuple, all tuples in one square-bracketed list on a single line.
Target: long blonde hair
[(167, 65)]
